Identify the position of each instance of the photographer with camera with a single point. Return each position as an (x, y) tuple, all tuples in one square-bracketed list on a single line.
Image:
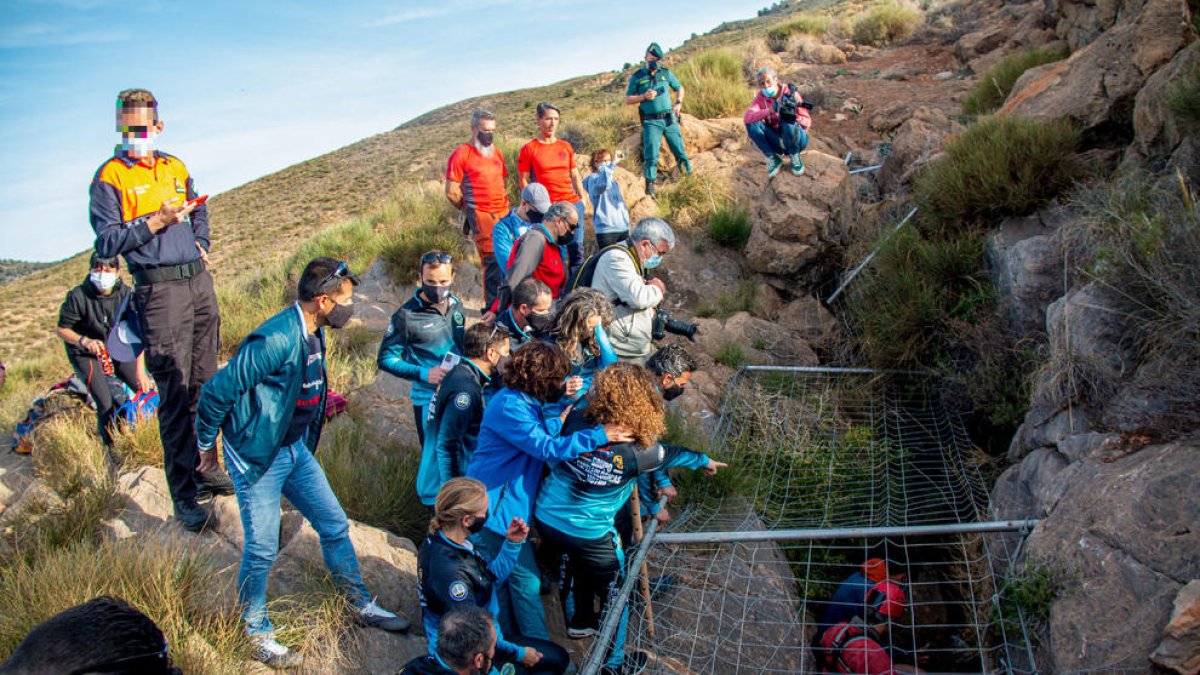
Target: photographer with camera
[(777, 122), (620, 275)]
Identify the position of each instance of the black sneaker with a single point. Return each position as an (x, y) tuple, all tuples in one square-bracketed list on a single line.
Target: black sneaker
[(191, 515), (215, 483), (649, 188), (634, 663)]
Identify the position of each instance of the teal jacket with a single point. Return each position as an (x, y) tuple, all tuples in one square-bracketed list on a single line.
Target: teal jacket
[(251, 400)]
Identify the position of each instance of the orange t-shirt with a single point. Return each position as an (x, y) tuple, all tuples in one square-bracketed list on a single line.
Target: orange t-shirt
[(482, 178), (551, 164)]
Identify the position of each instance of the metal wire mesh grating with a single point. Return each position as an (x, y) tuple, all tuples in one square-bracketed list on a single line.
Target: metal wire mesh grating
[(827, 448)]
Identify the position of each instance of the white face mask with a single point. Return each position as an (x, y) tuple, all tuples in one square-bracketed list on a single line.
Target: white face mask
[(138, 147), (103, 280)]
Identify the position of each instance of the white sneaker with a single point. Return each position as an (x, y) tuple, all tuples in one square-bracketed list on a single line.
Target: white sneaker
[(270, 652), (375, 616)]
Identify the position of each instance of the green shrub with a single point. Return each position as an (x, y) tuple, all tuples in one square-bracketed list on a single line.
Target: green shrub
[(730, 355), (714, 83), (691, 200), (730, 226), (885, 23), (999, 167), (809, 24), (1184, 98), (1025, 599), (997, 83)]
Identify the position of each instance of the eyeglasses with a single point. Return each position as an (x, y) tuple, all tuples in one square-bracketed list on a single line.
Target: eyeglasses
[(436, 258)]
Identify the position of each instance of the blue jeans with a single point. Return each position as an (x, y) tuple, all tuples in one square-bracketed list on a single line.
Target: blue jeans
[(296, 475), (789, 139), (575, 248), (522, 614)]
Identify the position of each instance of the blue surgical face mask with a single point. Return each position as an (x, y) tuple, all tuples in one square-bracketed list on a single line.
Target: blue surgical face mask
[(654, 261), (769, 93)]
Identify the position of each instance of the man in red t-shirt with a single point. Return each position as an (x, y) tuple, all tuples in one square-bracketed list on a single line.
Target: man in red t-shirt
[(475, 177), (550, 161)]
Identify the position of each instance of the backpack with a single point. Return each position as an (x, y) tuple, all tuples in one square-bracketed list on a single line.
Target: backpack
[(140, 406), (846, 633), (587, 271), (70, 394)]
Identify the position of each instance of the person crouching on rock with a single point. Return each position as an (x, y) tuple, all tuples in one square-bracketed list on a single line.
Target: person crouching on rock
[(777, 122), (269, 404)]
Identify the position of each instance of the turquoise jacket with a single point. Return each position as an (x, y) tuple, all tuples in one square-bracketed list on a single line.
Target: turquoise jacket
[(252, 399)]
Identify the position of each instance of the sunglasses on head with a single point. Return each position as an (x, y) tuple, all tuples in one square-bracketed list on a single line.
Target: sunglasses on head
[(436, 258)]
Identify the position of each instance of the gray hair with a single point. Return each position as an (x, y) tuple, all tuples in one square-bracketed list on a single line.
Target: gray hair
[(560, 210), (765, 70), (480, 115), (463, 633), (671, 360), (653, 230)]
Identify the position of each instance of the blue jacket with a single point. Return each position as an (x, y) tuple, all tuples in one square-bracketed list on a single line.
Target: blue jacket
[(515, 442), (448, 574), (611, 214), (251, 400), (847, 602), (582, 496), (505, 234), (417, 339), (452, 428)]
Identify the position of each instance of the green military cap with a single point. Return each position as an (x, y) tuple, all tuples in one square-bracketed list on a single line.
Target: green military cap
[(655, 50)]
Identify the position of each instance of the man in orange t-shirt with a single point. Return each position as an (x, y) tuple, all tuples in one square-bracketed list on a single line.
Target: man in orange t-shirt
[(549, 160), (475, 177)]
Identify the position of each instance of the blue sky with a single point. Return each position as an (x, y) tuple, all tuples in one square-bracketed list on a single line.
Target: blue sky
[(248, 88)]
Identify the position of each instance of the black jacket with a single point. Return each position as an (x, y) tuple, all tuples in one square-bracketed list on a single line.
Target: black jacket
[(425, 665), (90, 314)]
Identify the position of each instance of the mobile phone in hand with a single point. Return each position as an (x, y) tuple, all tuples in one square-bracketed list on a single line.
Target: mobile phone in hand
[(193, 203), (450, 360)]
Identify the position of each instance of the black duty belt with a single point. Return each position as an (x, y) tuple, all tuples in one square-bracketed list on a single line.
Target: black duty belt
[(154, 275), (656, 116)]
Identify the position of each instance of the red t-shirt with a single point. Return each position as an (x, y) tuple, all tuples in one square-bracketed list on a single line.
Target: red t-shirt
[(482, 178), (551, 164)]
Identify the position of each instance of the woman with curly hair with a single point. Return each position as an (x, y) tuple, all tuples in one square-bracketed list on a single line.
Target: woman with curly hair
[(579, 330), (515, 442), (581, 496)]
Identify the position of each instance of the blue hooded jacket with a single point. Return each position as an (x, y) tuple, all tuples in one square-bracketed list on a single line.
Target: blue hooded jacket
[(515, 442)]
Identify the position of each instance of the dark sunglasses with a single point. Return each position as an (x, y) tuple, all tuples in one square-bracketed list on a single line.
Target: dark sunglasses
[(341, 273), (436, 258)]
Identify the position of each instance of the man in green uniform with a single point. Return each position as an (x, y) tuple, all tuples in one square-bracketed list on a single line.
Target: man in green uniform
[(648, 90)]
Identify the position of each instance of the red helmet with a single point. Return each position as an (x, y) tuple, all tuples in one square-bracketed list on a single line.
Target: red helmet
[(887, 599)]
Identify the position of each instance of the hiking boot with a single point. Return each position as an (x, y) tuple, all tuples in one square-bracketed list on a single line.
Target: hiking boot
[(374, 616), (649, 188), (687, 169), (215, 483), (191, 515), (774, 162), (634, 663), (582, 632), (270, 652), (797, 165)]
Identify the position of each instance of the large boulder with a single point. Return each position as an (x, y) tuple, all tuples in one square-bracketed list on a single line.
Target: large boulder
[(1180, 649), (699, 136), (759, 340), (800, 223), (1157, 131), (1096, 86), (1027, 268), (1079, 22), (919, 136)]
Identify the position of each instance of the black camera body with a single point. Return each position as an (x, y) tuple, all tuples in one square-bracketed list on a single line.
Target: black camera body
[(664, 323), (787, 105)]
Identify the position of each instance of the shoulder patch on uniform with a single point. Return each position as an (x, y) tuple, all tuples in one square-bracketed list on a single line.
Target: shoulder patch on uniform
[(459, 319), (508, 669), (462, 401), (458, 590)]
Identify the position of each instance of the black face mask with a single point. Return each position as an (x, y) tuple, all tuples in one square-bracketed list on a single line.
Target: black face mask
[(672, 392), (566, 237), (339, 316), (435, 294), (485, 138), (534, 216), (540, 323), (476, 525), (652, 65)]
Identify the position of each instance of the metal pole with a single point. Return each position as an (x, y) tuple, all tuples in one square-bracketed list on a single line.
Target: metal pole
[(844, 532), (873, 167), (868, 259), (635, 506), (613, 616), (811, 369)]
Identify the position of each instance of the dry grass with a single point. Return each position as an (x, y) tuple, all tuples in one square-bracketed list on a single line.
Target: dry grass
[(886, 23), (716, 86), (138, 445), (691, 201), (69, 457)]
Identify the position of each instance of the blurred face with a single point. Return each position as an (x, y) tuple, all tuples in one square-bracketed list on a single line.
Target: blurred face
[(651, 61), (137, 121), (548, 123), (767, 81)]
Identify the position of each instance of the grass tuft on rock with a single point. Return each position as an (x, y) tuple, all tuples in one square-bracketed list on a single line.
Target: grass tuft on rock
[(886, 23), (997, 83), (715, 84), (807, 24), (730, 226), (1184, 98)]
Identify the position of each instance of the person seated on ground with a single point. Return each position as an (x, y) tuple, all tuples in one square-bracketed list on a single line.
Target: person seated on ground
[(777, 122), (87, 315), (550, 160), (581, 496), (103, 635), (538, 253), (421, 333), (530, 315), (620, 275), (453, 573), (611, 217), (268, 404), (848, 600), (452, 427), (515, 442), (535, 201), (466, 645), (579, 328), (859, 644)]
